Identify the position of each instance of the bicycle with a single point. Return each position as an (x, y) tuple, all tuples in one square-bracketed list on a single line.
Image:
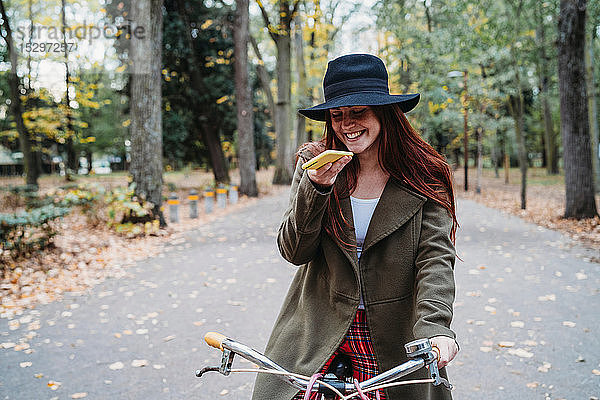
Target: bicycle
[(420, 353)]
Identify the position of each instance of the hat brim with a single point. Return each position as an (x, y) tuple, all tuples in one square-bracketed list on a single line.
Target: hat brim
[(319, 112)]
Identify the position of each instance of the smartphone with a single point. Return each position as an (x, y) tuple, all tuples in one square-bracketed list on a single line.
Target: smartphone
[(325, 157)]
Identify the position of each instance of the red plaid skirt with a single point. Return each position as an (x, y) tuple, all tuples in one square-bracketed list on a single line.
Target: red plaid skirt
[(358, 346)]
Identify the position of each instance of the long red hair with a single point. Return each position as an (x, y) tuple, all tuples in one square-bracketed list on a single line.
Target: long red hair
[(403, 154)]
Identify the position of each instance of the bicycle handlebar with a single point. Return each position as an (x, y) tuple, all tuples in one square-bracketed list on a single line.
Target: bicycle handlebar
[(420, 353)]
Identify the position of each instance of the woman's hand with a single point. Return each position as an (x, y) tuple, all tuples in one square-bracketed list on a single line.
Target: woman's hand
[(325, 176), (447, 349)]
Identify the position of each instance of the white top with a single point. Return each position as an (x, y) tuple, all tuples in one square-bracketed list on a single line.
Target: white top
[(362, 211)]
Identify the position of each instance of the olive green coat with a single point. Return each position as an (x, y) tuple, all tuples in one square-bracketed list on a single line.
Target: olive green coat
[(405, 274)]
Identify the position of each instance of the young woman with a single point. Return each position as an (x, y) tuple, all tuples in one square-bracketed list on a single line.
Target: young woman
[(373, 235)]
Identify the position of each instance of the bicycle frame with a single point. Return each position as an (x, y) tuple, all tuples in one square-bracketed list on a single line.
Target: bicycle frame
[(420, 354)]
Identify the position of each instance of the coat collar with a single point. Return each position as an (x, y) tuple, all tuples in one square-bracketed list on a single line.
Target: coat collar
[(396, 206)]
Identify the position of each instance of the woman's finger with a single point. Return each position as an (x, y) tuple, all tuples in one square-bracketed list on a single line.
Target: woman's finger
[(327, 174)]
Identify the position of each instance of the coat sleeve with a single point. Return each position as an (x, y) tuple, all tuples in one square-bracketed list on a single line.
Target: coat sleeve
[(300, 231), (434, 274)]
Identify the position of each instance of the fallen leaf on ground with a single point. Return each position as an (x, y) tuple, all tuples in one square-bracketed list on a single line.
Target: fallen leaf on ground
[(545, 367), (580, 276), (79, 395), (520, 353), (139, 363), (506, 344), (570, 324), (116, 366), (548, 297)]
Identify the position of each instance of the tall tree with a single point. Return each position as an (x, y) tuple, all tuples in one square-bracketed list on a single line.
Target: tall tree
[(281, 35), (303, 91), (243, 99), (574, 124), (15, 97), (515, 102), (72, 157), (204, 124), (544, 77), (592, 103), (146, 117)]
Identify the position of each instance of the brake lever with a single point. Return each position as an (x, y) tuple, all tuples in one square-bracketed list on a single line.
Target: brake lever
[(422, 348), (224, 368), (434, 372)]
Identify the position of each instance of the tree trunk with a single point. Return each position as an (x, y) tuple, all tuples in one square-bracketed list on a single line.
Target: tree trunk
[(479, 133), (574, 123), (72, 159), (283, 164), (281, 36), (146, 110), (15, 102), (506, 168), (243, 99), (515, 105), (265, 82), (303, 91), (210, 136), (550, 146), (592, 106), (496, 155)]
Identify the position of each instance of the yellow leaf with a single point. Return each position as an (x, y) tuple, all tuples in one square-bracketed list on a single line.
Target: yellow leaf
[(126, 123), (206, 24), (222, 99), (121, 68)]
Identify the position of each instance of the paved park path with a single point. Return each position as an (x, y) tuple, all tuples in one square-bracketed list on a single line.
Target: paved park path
[(527, 316)]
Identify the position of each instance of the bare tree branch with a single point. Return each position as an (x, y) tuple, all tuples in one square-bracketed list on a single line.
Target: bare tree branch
[(267, 21), (264, 78), (294, 10)]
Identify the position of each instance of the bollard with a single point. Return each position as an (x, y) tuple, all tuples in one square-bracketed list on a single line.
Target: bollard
[(221, 196), (233, 194), (173, 207), (209, 200), (193, 199)]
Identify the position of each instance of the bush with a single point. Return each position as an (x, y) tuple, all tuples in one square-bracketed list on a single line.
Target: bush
[(27, 231), (127, 215), (21, 195)]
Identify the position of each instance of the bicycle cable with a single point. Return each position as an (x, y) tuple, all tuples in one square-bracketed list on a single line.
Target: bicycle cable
[(337, 392)]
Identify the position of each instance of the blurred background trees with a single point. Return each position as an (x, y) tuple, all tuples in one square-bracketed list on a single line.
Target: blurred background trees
[(487, 71)]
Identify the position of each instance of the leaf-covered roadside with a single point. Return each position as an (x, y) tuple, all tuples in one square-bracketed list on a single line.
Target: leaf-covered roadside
[(545, 204), (86, 254)]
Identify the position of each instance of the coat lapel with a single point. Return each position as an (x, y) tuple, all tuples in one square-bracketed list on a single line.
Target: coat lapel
[(396, 206)]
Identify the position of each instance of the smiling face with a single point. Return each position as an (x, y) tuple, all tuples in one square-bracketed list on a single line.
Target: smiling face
[(357, 127)]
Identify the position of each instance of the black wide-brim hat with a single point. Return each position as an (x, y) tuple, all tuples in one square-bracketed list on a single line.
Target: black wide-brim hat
[(357, 80)]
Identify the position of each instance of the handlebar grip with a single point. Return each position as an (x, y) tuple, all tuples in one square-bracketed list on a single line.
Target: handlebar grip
[(436, 350), (215, 339)]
